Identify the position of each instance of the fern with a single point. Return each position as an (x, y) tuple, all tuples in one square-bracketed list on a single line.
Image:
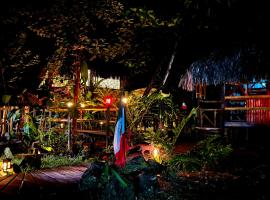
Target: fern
[(184, 163), (211, 151)]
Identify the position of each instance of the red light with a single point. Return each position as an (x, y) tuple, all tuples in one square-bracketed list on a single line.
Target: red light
[(108, 101), (184, 106)]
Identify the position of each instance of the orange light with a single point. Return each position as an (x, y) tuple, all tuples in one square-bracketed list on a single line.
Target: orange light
[(69, 104), (82, 105), (156, 155), (6, 165), (124, 100), (62, 125)]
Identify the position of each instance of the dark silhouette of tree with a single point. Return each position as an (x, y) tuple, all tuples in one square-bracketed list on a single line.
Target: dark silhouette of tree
[(131, 38)]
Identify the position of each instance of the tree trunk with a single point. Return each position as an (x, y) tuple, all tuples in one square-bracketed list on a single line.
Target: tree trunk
[(170, 63), (158, 70)]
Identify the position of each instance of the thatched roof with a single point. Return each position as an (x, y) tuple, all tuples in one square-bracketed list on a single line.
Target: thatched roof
[(217, 69)]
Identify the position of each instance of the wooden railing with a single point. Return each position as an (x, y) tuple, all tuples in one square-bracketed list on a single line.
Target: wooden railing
[(253, 109), (92, 126), (210, 115), (235, 111)]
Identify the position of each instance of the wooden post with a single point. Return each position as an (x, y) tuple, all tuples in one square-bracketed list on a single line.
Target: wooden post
[(4, 118), (201, 117), (76, 93), (76, 97), (69, 133), (10, 128), (215, 118), (107, 125)]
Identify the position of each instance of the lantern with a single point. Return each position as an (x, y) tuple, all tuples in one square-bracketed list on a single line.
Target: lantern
[(6, 165)]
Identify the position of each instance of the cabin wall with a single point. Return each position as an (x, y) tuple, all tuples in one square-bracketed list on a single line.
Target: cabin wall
[(258, 116), (242, 105), (250, 102)]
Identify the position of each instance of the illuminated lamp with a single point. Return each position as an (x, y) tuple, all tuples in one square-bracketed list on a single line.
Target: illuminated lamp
[(108, 101), (124, 100), (69, 104), (101, 124), (62, 125), (82, 105), (156, 155), (6, 165)]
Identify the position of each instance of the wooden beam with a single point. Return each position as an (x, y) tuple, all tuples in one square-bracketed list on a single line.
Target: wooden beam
[(210, 109), (228, 124), (95, 132), (247, 108), (247, 97), (208, 101), (79, 120), (83, 109), (214, 129)]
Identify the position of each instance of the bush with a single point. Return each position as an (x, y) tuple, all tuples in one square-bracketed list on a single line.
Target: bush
[(207, 154), (184, 163), (212, 151), (51, 161)]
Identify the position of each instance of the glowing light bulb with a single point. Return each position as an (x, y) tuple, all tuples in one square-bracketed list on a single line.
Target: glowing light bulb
[(69, 104), (156, 155), (124, 100)]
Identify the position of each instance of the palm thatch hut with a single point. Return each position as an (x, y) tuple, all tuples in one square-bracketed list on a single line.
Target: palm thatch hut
[(231, 91)]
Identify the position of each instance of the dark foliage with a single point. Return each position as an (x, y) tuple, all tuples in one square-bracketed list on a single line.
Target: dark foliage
[(32, 162)]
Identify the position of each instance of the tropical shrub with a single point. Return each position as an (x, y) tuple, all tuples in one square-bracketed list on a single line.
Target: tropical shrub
[(184, 162), (211, 151), (156, 110), (207, 154), (158, 138)]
